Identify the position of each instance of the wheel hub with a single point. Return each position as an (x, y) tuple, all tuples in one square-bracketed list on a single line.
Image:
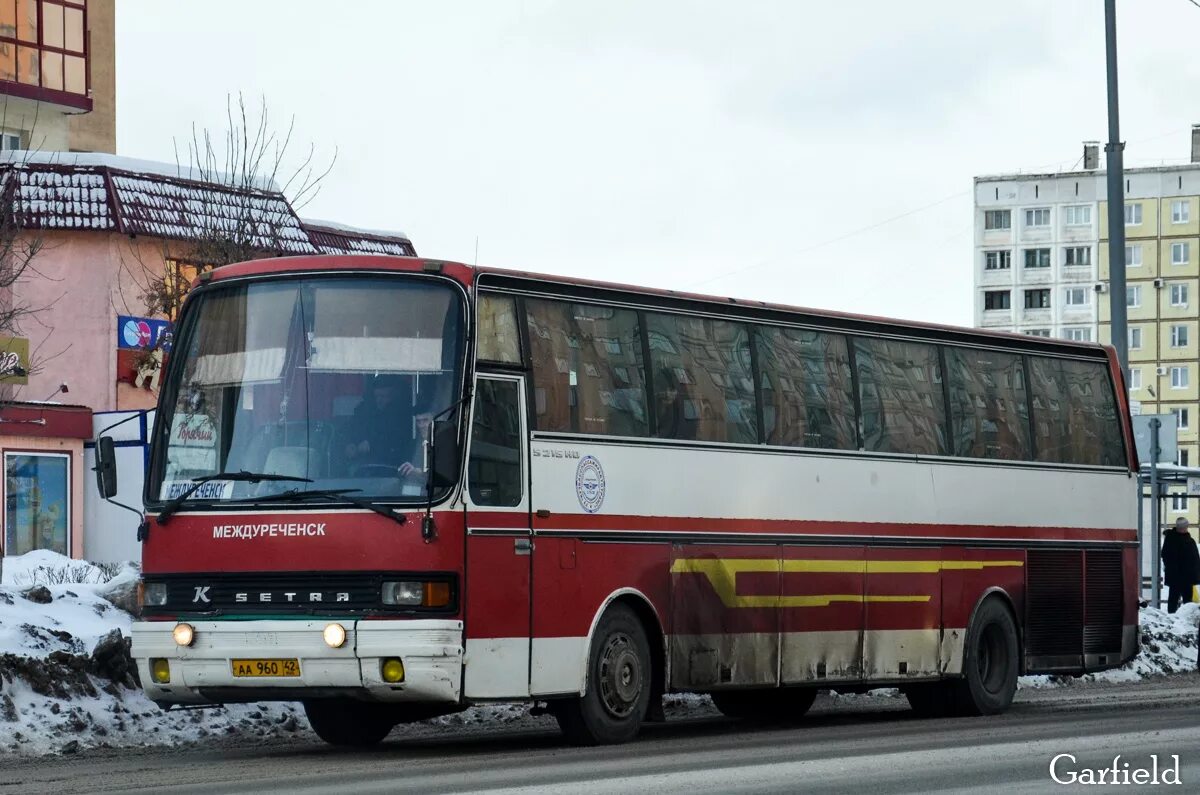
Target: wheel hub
[(620, 676)]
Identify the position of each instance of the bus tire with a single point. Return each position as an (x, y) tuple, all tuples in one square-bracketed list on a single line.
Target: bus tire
[(990, 662), (354, 724), (774, 704), (619, 681)]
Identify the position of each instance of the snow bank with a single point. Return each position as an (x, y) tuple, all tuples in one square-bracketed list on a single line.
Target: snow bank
[(65, 680), (66, 683)]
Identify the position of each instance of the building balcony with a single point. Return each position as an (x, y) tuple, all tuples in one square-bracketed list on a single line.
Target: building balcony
[(44, 53), (996, 318), (1039, 316)]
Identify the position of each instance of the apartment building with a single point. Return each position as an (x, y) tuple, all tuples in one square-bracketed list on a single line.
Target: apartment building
[(1042, 267)]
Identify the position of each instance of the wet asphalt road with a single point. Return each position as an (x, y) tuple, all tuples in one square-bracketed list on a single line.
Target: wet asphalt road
[(859, 745)]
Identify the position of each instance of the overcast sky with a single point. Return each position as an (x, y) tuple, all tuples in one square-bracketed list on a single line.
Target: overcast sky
[(753, 149)]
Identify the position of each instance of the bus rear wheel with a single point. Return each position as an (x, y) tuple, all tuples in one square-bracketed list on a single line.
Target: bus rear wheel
[(990, 662), (990, 667), (774, 704), (618, 684), (354, 724)]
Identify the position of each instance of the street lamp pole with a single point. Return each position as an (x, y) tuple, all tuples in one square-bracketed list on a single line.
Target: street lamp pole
[(1116, 198)]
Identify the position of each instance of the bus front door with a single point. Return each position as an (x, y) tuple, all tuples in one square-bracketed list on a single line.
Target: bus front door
[(499, 542)]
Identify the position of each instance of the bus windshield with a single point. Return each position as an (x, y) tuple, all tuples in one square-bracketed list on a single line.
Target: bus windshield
[(329, 381)]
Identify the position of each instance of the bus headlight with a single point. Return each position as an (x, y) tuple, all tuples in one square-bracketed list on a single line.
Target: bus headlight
[(154, 594), (183, 634), (403, 593), (335, 636), (416, 594)]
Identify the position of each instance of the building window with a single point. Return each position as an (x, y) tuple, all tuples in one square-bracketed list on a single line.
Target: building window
[(1135, 378), (42, 44), (1133, 295), (1037, 258), (1180, 253), (997, 299), (1135, 338), (1038, 332), (10, 142), (1179, 295), (1078, 256), (1037, 217), (1178, 503), (1133, 215), (1179, 336), (1078, 215), (1133, 256), (1182, 457), (997, 219), (1180, 211), (37, 497), (1181, 418), (997, 260), (1077, 296), (1180, 378), (1037, 299), (1079, 334)]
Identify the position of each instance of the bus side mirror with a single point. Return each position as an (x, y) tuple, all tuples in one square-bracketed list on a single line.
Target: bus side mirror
[(446, 459), (106, 467)]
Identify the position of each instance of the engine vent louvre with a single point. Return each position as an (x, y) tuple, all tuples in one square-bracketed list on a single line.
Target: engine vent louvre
[(1054, 604), (1102, 628)]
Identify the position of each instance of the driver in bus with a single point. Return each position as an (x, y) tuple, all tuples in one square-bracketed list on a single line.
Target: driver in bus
[(378, 432)]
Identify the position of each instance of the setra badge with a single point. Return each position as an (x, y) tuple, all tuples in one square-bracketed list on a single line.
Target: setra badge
[(589, 484)]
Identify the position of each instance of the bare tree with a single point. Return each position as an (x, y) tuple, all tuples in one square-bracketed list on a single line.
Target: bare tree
[(248, 181)]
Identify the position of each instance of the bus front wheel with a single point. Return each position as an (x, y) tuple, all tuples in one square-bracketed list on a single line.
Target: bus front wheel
[(618, 684), (353, 724)]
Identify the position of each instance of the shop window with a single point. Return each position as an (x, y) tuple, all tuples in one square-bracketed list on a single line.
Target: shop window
[(37, 494)]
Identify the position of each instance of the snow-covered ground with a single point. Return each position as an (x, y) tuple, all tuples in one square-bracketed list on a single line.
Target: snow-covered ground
[(65, 683)]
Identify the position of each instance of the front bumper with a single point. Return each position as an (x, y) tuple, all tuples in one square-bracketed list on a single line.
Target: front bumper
[(431, 650)]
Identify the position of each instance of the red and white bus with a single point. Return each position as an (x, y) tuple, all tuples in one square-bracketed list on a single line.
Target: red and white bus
[(391, 488)]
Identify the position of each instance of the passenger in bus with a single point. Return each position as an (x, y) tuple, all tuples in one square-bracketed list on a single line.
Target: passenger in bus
[(413, 469), (1181, 564)]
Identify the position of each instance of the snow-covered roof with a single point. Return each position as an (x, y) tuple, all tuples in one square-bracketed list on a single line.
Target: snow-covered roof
[(333, 238), (99, 192), (105, 196)]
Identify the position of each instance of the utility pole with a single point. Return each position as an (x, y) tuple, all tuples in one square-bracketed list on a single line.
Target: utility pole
[(1116, 198)]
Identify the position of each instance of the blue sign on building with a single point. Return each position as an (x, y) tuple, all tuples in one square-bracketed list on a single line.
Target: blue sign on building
[(141, 333)]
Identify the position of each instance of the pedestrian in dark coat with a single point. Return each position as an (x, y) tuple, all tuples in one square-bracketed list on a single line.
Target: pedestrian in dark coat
[(1181, 564)]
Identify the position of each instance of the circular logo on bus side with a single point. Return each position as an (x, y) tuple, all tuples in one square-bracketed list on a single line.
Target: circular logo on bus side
[(589, 484)]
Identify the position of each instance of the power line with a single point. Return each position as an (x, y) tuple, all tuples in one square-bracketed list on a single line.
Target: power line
[(837, 239)]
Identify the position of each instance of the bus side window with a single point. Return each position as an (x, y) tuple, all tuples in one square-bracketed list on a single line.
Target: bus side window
[(494, 468)]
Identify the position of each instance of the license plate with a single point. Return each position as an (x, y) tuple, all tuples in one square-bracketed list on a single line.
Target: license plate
[(266, 667)]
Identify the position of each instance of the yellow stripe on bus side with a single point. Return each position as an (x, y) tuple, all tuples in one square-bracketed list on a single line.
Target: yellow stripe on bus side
[(722, 573)]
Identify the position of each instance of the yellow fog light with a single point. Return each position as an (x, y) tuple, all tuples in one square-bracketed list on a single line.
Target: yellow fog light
[(184, 634), (160, 671), (392, 670), (335, 636)]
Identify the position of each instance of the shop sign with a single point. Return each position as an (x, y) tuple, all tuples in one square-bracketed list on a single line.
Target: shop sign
[(14, 360), (142, 333)]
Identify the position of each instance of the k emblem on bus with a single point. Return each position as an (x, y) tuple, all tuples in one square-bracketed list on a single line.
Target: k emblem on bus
[(589, 484)]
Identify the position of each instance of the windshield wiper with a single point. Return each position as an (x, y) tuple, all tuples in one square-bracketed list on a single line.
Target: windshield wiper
[(171, 506), (342, 495)]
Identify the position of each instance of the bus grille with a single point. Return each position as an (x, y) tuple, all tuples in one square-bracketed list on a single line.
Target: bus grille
[(1054, 617), (1102, 631)]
